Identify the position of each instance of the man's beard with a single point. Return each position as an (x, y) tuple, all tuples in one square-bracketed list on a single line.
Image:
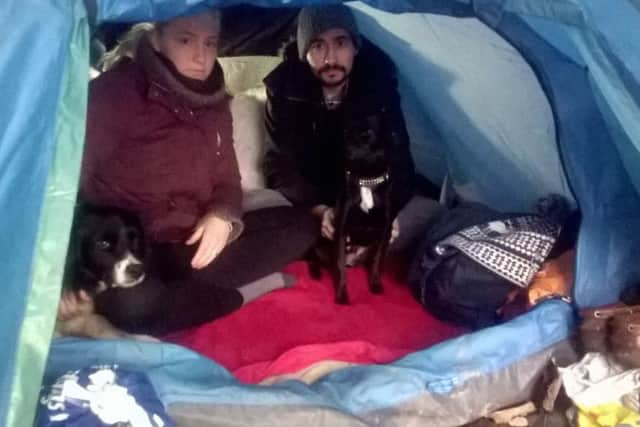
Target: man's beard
[(329, 68)]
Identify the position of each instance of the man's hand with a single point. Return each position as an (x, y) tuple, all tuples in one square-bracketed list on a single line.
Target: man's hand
[(213, 233), (326, 215), (395, 230), (327, 228)]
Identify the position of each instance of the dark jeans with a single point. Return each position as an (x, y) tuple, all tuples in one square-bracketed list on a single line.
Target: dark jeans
[(174, 296)]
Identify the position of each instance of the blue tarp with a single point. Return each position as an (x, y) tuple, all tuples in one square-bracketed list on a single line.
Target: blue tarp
[(557, 108)]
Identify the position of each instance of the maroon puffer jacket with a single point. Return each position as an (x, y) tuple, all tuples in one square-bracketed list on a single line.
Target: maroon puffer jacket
[(159, 149)]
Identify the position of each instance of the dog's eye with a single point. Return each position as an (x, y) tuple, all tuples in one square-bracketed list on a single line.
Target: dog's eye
[(103, 245)]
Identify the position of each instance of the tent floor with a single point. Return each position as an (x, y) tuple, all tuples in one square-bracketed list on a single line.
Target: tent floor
[(291, 329)]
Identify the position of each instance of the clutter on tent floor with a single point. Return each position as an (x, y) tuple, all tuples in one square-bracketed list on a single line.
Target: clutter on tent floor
[(100, 396), (289, 330), (604, 392), (596, 391), (599, 390)]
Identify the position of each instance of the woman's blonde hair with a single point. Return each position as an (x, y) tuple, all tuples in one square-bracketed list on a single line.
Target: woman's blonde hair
[(127, 45), (128, 42)]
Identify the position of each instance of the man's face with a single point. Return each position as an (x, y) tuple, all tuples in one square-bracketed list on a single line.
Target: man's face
[(330, 56), (191, 43)]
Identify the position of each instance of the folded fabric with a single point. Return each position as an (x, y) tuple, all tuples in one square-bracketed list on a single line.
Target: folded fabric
[(310, 374), (607, 415), (101, 396), (297, 361)]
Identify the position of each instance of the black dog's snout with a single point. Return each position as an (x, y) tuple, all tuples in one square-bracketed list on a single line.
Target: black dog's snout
[(134, 270)]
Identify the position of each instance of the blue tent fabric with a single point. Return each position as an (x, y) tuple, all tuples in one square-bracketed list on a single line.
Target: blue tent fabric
[(600, 37), (17, 114), (33, 62), (577, 61), (494, 121), (180, 375), (163, 9), (598, 177)]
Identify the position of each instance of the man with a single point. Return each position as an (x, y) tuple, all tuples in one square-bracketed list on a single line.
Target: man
[(328, 76)]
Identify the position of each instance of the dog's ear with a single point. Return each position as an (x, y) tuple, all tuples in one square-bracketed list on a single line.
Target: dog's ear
[(85, 280), (74, 275), (72, 260)]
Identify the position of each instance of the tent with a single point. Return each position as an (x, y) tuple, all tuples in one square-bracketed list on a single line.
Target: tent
[(510, 100)]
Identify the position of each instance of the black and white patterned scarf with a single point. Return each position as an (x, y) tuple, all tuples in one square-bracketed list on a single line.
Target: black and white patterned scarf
[(513, 248)]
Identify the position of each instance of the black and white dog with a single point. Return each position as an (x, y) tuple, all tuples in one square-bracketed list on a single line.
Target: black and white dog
[(363, 209), (106, 250)]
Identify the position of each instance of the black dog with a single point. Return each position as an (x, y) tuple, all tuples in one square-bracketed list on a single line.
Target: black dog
[(106, 250), (363, 209)]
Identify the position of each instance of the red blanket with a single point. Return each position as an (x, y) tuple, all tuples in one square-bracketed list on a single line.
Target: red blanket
[(290, 329)]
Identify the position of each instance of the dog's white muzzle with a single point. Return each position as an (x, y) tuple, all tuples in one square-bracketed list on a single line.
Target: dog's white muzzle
[(122, 277)]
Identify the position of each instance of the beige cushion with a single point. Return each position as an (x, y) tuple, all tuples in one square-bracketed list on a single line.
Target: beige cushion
[(243, 73), (249, 139), (243, 76)]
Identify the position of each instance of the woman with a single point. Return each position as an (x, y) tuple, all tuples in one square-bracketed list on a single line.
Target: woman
[(159, 143)]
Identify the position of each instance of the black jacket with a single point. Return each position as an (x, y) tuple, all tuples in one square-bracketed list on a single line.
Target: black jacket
[(306, 162)]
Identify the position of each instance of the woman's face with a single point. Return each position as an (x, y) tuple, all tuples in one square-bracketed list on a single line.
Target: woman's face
[(191, 43)]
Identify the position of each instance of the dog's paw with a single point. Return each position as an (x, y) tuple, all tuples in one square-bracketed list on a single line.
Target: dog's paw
[(342, 299), (315, 271), (375, 287)]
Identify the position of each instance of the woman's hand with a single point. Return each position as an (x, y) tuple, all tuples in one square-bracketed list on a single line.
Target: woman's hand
[(213, 233)]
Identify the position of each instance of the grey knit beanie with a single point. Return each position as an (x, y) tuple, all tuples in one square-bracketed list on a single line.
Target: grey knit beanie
[(314, 20)]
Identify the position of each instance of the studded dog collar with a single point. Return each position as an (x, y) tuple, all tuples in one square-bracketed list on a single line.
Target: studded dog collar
[(366, 185), (371, 182)]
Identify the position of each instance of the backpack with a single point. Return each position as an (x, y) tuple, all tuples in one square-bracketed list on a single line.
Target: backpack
[(473, 257)]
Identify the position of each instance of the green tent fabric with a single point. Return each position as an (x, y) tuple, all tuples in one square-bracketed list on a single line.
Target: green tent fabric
[(51, 101)]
